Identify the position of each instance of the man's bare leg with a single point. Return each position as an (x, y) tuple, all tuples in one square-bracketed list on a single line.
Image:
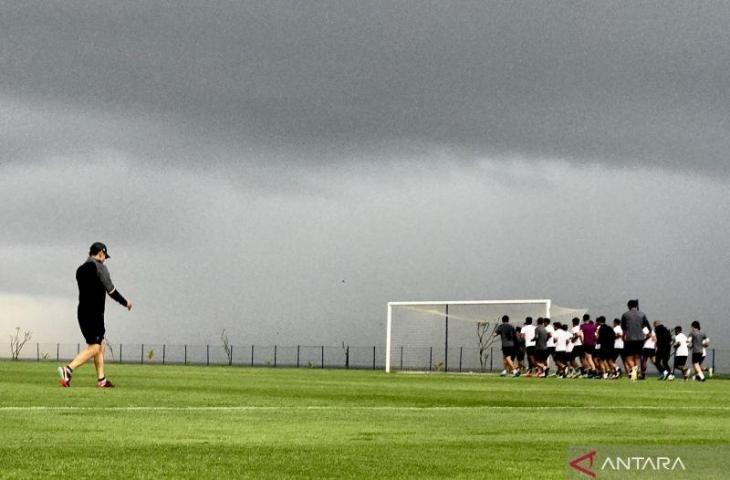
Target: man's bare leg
[(99, 362), (84, 356)]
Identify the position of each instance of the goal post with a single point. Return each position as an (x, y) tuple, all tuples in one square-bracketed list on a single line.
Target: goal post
[(451, 335)]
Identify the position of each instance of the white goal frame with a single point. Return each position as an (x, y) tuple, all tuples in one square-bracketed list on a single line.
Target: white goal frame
[(546, 302)]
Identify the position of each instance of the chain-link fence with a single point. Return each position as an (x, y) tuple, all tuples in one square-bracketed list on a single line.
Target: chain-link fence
[(403, 357)]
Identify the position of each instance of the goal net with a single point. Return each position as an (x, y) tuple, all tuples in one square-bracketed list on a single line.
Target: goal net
[(457, 335)]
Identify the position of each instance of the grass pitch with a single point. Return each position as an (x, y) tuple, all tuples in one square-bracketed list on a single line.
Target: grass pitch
[(219, 422)]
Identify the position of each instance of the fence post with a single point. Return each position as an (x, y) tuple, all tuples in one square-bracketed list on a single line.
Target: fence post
[(461, 355), (58, 352), (322, 356), (78, 348), (491, 358), (120, 353), (298, 355), (37, 352), (713, 362), (430, 358), (347, 357), (274, 356), (401, 357), (230, 357), (141, 355), (252, 355), (207, 354), (374, 357), (186, 354), (163, 353)]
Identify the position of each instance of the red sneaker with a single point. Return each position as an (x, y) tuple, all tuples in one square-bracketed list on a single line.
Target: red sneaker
[(104, 384), (65, 375)]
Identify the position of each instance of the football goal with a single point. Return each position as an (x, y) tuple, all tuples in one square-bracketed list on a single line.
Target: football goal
[(456, 335)]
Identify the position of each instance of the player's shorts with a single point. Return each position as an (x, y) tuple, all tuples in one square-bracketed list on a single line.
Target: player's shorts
[(92, 326), (607, 353), (633, 347), (589, 349), (561, 356), (697, 358), (530, 351), (541, 355), (93, 332), (648, 352), (520, 353), (551, 351), (618, 352), (508, 352), (577, 351), (680, 362)]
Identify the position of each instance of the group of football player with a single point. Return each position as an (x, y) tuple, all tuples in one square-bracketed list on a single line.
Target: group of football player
[(592, 349)]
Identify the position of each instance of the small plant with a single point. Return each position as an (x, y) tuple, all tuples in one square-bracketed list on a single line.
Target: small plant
[(109, 347), (17, 344), (439, 366), (484, 335), (151, 355), (45, 356), (227, 346)]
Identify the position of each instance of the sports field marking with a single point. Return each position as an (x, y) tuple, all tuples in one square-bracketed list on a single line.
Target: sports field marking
[(244, 408)]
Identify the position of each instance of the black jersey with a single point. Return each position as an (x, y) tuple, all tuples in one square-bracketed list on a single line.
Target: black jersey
[(94, 283)]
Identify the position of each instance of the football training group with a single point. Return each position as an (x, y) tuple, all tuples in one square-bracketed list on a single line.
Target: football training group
[(591, 349)]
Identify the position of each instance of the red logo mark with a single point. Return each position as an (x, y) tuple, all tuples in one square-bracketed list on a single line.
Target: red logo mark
[(576, 464)]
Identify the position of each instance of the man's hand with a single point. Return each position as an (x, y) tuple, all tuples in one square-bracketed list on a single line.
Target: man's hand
[(129, 305)]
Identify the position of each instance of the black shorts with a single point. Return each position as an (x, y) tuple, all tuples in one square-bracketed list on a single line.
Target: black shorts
[(541, 355), (618, 352), (508, 352), (93, 334), (589, 349), (606, 353), (633, 347), (531, 351), (680, 362), (697, 358), (648, 352), (92, 327), (577, 351), (551, 351), (561, 357)]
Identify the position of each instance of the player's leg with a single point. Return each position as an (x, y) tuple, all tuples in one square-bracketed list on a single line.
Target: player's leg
[(85, 355), (697, 365), (99, 363)]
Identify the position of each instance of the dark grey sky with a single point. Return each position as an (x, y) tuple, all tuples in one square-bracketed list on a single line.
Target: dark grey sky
[(242, 159)]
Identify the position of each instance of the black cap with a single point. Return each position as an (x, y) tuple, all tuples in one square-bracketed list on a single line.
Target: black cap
[(97, 247)]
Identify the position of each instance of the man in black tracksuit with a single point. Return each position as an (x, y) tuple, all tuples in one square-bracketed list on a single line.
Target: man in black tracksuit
[(663, 348), (94, 284)]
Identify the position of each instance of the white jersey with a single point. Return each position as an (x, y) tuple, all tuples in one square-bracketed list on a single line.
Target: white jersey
[(561, 340), (551, 340), (569, 341), (681, 345), (528, 331), (618, 344), (576, 335), (650, 341)]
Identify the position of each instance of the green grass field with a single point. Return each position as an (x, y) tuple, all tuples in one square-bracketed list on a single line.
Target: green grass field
[(220, 422)]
